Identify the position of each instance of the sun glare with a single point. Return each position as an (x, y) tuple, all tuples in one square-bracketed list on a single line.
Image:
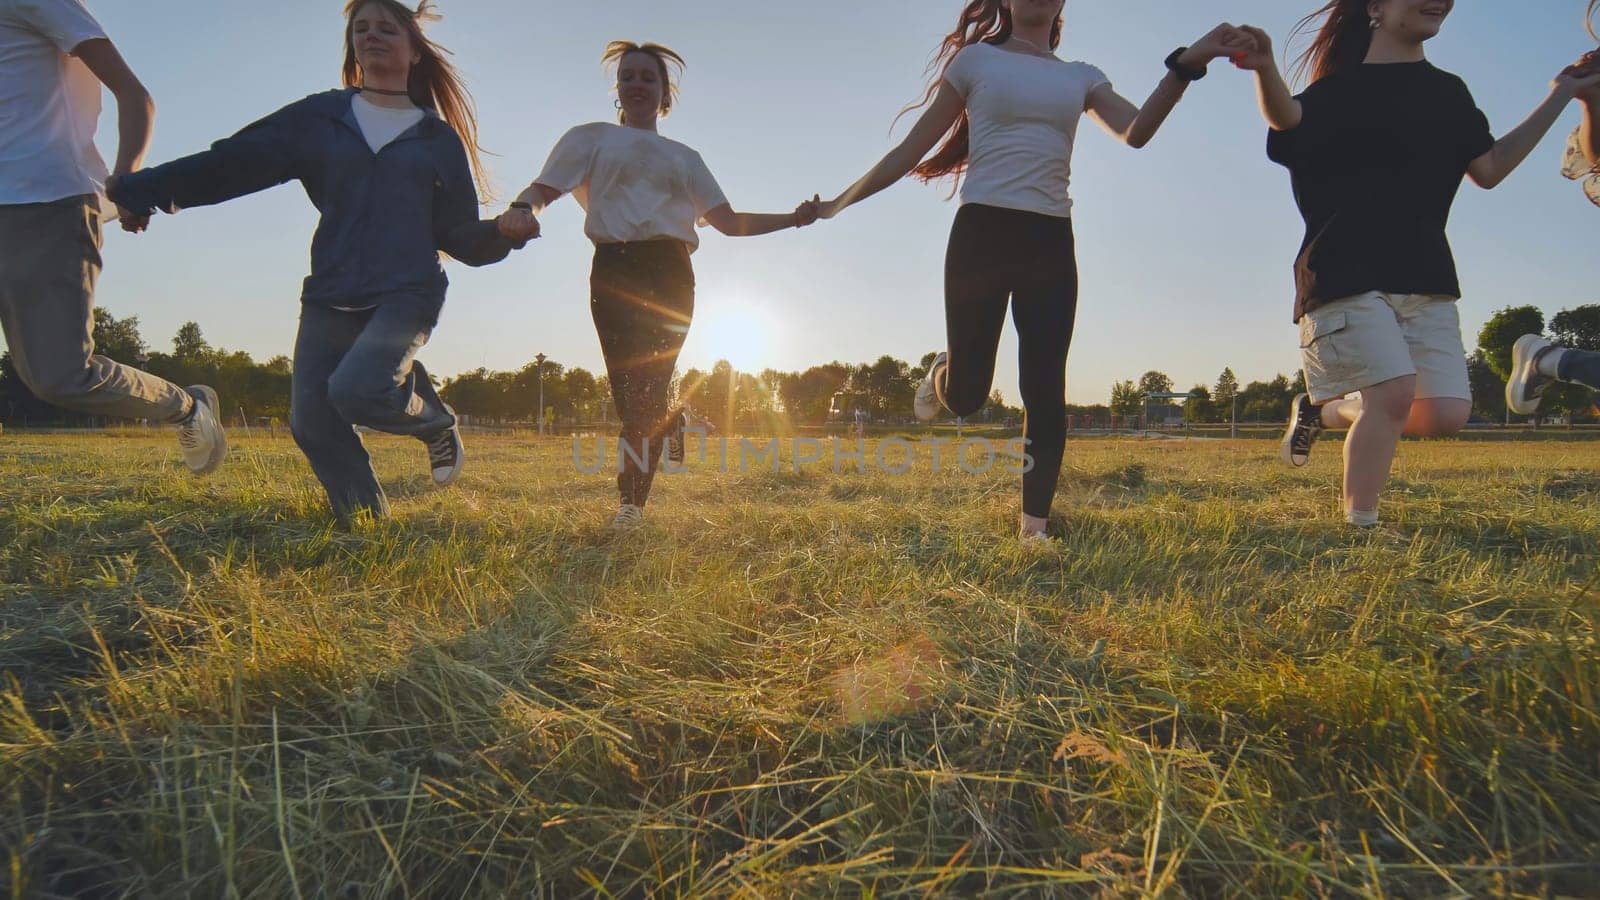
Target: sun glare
[(743, 335)]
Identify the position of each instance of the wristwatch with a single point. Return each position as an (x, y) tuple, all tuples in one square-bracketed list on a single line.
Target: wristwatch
[(525, 207), (1181, 70)]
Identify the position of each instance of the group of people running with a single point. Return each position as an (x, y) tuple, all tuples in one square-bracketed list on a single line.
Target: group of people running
[(1377, 147)]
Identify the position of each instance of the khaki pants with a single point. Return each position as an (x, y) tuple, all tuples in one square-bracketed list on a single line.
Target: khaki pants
[(49, 262)]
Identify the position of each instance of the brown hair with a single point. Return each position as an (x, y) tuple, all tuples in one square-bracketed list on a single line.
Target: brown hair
[(1589, 18), (982, 21), (434, 82), (1341, 42), (616, 50)]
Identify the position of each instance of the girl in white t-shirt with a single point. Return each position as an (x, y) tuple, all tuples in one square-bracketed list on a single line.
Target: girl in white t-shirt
[(1008, 110), (644, 195), (1537, 363)]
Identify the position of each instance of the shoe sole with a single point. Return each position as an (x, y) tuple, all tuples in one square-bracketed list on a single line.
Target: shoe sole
[(1523, 360), (927, 405), (1286, 446), (219, 449)]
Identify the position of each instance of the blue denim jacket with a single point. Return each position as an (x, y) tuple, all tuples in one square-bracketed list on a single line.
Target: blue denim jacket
[(386, 216)]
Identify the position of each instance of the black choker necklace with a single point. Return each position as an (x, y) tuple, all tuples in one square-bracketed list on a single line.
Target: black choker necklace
[(387, 93)]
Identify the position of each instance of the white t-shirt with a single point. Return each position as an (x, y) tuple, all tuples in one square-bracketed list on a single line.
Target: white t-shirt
[(49, 103), (380, 125), (1025, 111), (634, 184)]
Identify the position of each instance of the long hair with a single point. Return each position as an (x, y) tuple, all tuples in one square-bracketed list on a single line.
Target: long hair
[(1342, 39), (982, 21), (664, 57), (434, 84), (1589, 18)]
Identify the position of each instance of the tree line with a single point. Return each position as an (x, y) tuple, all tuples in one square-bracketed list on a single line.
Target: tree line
[(733, 401)]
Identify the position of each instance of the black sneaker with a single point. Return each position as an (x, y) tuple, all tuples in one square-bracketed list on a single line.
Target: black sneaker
[(1305, 426), (446, 453), (676, 438)]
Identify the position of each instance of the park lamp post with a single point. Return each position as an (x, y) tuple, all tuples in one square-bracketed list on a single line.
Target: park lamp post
[(540, 360)]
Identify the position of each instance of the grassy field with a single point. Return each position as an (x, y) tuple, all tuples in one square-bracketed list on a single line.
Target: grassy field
[(798, 684)]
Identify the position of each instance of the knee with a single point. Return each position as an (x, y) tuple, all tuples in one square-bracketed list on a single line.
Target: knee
[(1439, 420), (353, 398), (1391, 403), (63, 389)]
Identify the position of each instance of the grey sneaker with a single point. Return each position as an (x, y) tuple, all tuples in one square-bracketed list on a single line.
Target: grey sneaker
[(1526, 386), (204, 443), (927, 404), (447, 455), (628, 518)]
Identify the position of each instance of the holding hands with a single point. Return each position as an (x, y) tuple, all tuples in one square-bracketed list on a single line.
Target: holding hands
[(518, 224), (1223, 42), (1581, 79), (131, 223)]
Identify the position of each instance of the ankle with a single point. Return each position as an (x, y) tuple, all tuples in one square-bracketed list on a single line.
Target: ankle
[(1361, 518), (1034, 524)]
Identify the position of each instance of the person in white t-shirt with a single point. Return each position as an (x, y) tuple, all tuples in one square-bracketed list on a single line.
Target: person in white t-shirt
[(644, 195), (54, 57), (1008, 109)]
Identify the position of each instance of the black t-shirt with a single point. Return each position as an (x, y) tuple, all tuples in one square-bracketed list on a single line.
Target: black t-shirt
[(1376, 162)]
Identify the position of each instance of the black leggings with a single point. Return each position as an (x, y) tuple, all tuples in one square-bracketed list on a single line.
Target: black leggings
[(642, 298), (1000, 256)]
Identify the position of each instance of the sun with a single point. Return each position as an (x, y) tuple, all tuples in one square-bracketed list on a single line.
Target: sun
[(741, 333)]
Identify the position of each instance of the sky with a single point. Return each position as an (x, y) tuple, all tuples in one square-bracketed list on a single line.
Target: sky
[(1185, 248)]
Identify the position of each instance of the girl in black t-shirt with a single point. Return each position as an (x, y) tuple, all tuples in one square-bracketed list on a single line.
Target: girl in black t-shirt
[(1377, 147)]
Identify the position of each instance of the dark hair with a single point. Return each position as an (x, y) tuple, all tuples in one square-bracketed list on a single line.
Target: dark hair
[(982, 21), (434, 82), (616, 50)]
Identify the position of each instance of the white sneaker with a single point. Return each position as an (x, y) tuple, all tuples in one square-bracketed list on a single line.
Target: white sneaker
[(927, 404), (1527, 386), (1036, 538), (204, 443), (447, 456), (628, 518)]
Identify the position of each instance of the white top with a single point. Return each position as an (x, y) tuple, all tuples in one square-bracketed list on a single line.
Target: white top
[(49, 103), (634, 184), (1025, 111), (380, 125)]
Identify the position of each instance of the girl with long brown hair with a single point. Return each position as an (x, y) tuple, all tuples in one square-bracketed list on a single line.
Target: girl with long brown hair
[(392, 163), (1537, 363), (1007, 109), (644, 195), (1377, 147)]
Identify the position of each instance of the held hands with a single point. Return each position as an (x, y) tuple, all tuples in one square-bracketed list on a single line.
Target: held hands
[(1223, 42), (1259, 57), (518, 225), (1581, 79), (808, 212), (131, 223)]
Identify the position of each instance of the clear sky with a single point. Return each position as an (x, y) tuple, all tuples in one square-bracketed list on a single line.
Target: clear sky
[(1185, 247)]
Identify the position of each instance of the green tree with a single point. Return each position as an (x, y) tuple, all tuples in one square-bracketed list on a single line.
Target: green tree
[(1126, 399), (1488, 389), (189, 345), (1500, 334), (1223, 395), (118, 339), (1155, 383), (1199, 409)]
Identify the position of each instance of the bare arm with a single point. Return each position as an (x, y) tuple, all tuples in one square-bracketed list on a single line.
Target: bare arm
[(935, 122), (742, 224), (1492, 168), (1278, 105), (136, 110), (1136, 126), (1589, 131)]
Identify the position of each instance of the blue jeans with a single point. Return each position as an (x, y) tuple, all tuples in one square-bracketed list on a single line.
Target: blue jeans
[(360, 368)]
